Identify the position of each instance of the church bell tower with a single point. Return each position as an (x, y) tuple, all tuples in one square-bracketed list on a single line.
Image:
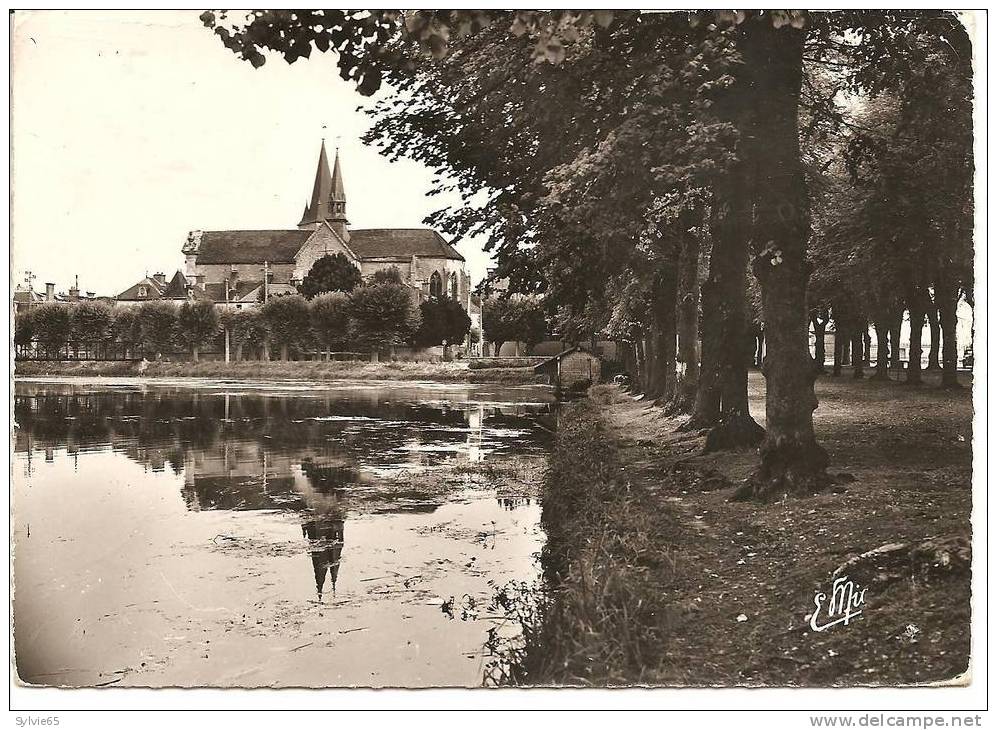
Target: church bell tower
[(328, 201)]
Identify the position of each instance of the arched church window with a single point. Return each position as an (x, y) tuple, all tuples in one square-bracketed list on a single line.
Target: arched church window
[(453, 286), (435, 285), (143, 292)]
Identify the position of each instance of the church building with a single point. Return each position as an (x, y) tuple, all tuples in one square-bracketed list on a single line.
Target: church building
[(241, 268)]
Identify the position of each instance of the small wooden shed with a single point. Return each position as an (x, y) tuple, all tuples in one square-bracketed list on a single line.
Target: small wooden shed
[(571, 370)]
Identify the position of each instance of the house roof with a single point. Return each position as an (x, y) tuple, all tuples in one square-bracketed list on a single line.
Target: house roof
[(216, 291), (539, 367), (154, 290), (250, 247), (26, 296), (177, 288), (401, 243)]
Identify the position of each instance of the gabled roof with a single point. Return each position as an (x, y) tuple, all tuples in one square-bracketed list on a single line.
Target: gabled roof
[(27, 296), (177, 288), (216, 291), (401, 243), (154, 290), (539, 367), (250, 247)]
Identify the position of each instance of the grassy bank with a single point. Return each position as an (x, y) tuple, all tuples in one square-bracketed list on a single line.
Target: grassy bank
[(446, 372), (656, 578)]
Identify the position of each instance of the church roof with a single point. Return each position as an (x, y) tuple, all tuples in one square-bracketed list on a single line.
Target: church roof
[(401, 243), (279, 247), (250, 247)]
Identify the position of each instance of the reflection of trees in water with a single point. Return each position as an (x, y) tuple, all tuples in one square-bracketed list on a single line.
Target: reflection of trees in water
[(255, 452), (230, 446)]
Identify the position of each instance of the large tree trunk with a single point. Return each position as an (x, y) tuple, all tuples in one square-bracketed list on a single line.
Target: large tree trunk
[(194, 353), (916, 308), (820, 352), (896, 323), (839, 349), (640, 384), (283, 352), (731, 225), (936, 333), (947, 299), (665, 315), (882, 325), (791, 459), (858, 354), (706, 407), (688, 323), (238, 352)]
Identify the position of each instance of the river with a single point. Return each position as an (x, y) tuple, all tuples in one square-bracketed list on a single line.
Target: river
[(222, 534)]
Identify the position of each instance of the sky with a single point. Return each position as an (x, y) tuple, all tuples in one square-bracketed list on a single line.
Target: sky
[(130, 129)]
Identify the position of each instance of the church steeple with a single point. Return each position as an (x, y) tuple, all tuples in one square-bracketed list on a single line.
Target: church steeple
[(328, 201)]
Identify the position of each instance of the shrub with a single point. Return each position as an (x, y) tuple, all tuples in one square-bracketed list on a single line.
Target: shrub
[(390, 275)]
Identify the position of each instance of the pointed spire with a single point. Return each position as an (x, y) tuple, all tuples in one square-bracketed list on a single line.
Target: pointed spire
[(338, 193), (328, 200)]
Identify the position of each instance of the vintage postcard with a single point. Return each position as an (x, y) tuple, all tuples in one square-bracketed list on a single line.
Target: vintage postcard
[(496, 348)]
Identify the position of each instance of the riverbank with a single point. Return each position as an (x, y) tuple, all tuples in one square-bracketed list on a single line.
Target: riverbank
[(659, 579), (443, 372)]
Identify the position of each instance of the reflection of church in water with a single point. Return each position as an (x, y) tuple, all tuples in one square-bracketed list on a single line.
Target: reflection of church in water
[(250, 452)]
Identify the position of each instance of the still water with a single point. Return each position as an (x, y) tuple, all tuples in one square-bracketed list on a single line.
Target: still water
[(223, 535)]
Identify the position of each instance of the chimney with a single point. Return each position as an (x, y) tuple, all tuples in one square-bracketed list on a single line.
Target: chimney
[(49, 292), (160, 277)]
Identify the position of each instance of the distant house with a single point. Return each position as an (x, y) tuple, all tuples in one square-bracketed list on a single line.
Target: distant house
[(572, 370), (155, 288)]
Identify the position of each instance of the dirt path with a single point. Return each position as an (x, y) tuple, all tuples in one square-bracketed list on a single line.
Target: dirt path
[(751, 572)]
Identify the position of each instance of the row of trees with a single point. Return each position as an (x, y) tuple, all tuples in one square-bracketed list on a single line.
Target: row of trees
[(377, 316), (513, 319), (655, 175)]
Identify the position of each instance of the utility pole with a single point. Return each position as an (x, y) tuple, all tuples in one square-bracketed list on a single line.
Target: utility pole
[(266, 281), (226, 336), (28, 278)]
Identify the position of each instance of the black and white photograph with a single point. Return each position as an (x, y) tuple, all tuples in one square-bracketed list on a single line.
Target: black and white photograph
[(557, 350)]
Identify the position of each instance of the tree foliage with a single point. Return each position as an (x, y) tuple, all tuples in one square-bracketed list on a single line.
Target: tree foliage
[(382, 315), (287, 319), (157, 326), (333, 272), (330, 318), (443, 322), (91, 321), (51, 323), (197, 323)]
